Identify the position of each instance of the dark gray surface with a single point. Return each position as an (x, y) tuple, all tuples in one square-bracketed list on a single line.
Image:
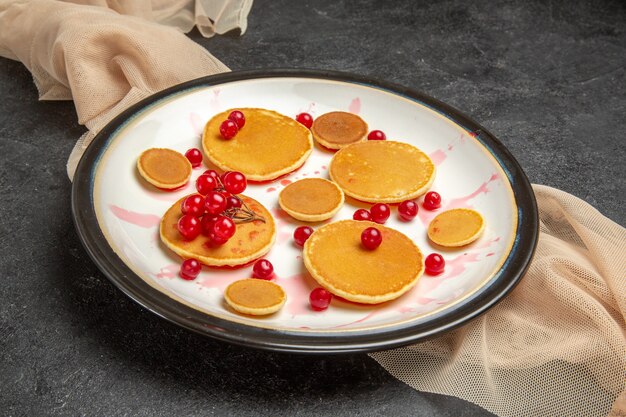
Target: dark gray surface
[(547, 79)]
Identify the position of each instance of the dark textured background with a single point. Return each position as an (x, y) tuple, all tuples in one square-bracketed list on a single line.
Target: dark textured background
[(547, 78)]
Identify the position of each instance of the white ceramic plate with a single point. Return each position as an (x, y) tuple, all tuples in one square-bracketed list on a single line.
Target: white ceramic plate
[(117, 213)]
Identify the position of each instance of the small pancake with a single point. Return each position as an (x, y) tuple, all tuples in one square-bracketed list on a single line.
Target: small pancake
[(268, 146), (251, 240), (255, 296), (338, 129), (382, 171), (164, 168), (311, 199), (456, 227), (336, 259)]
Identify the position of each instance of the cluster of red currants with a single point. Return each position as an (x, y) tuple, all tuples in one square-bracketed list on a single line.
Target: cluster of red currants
[(204, 212), (231, 126)]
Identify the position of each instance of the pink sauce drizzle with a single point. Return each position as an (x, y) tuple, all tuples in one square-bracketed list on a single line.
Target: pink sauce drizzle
[(438, 157), (355, 106), (168, 271), (270, 189), (196, 123), (138, 219), (285, 182)]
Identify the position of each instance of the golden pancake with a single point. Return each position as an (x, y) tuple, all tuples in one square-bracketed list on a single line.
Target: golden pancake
[(267, 146), (338, 129), (382, 171), (164, 168), (251, 240), (311, 199), (336, 259), (255, 296), (456, 227)]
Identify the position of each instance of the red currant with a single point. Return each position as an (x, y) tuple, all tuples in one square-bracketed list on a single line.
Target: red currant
[(234, 182), (189, 226), (205, 183), (223, 227), (232, 202), (362, 214), (228, 129), (237, 117), (407, 210), (306, 119), (194, 156), (432, 200), (215, 202), (206, 224), (380, 212), (320, 299), (371, 238), (212, 173), (301, 234), (194, 205), (190, 269), (376, 135), (217, 240), (263, 269), (435, 264)]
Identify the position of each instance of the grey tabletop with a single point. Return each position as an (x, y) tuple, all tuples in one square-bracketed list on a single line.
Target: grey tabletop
[(547, 78)]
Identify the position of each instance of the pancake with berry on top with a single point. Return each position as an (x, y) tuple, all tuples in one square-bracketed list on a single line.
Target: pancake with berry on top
[(250, 235), (340, 256), (261, 144)]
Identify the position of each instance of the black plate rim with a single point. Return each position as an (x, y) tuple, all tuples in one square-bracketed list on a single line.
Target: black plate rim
[(127, 281)]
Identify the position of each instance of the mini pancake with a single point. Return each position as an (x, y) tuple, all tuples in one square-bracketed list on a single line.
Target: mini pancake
[(267, 146), (251, 240), (164, 168), (311, 199), (382, 171), (338, 129), (457, 227), (257, 297), (336, 259)]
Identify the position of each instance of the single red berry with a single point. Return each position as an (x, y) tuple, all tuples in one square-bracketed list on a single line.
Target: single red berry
[(320, 299), (212, 173), (223, 227), (432, 200), (306, 119), (435, 264), (217, 240), (190, 269), (407, 210), (301, 234), (215, 202), (234, 182), (206, 224), (228, 129), (376, 135), (362, 214), (232, 202), (237, 117), (263, 269), (205, 183), (194, 156), (194, 205), (189, 226), (380, 212), (371, 238)]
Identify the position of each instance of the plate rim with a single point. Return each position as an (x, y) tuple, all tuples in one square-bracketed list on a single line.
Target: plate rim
[(112, 266)]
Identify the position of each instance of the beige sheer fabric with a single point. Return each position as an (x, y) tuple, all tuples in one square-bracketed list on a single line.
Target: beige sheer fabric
[(556, 346), (106, 61)]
